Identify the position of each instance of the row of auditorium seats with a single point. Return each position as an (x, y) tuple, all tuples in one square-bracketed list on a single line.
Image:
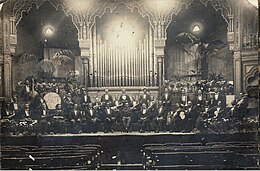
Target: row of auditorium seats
[(195, 156), (51, 157)]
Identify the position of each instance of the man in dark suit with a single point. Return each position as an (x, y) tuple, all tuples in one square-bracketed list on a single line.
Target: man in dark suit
[(44, 120), (184, 97), (135, 105), (90, 117), (27, 121), (75, 118), (179, 119), (126, 120), (84, 99), (143, 118), (124, 98), (218, 117), (166, 99), (59, 124), (200, 98), (107, 98), (109, 118), (192, 113), (160, 116), (145, 97)]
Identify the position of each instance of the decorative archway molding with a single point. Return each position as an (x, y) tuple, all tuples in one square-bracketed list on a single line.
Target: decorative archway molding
[(251, 77), (223, 6)]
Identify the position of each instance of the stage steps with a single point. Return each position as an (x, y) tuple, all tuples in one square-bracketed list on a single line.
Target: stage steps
[(51, 157), (218, 155)]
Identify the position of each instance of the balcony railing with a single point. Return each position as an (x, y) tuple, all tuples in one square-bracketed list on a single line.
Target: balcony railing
[(250, 42)]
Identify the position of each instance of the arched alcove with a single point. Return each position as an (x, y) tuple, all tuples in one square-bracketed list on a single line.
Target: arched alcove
[(41, 32), (122, 48), (204, 26)]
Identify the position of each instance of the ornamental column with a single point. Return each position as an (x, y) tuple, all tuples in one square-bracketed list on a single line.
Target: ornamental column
[(85, 60), (160, 71)]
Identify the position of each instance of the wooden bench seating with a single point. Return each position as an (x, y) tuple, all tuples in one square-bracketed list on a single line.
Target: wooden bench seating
[(215, 155), (51, 157)]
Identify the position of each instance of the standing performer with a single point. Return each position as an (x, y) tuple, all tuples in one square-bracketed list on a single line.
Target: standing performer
[(91, 116), (124, 98), (84, 99), (166, 99), (145, 97), (107, 98)]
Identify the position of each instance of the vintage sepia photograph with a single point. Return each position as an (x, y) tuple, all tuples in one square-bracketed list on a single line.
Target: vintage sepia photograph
[(129, 85)]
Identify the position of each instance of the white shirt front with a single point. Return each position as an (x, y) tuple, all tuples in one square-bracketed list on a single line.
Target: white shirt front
[(27, 88), (200, 97), (15, 106), (27, 113)]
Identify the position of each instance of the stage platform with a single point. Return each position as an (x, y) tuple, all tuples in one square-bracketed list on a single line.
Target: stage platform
[(123, 150)]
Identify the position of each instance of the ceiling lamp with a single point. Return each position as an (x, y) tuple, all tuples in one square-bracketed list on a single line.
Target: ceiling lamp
[(48, 31), (196, 28)]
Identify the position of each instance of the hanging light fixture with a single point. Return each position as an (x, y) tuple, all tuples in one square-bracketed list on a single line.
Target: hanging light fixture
[(48, 31), (196, 28)]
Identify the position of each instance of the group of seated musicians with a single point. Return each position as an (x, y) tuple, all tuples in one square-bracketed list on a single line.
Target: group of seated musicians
[(200, 114)]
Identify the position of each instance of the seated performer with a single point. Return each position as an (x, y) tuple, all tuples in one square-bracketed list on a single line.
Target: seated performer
[(75, 118), (179, 119), (107, 98), (27, 121), (8, 112), (126, 120), (124, 98), (135, 105), (26, 89), (152, 110), (91, 116), (44, 120), (59, 124), (184, 97), (218, 118), (14, 105), (159, 120), (84, 99), (191, 113), (109, 118), (117, 108), (145, 97), (218, 97), (200, 98), (8, 120), (143, 118)]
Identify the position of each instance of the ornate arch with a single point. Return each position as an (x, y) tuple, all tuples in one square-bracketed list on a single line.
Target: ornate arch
[(223, 6), (21, 6), (100, 8), (251, 77)]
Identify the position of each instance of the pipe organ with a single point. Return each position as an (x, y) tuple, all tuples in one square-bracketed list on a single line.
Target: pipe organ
[(128, 64)]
